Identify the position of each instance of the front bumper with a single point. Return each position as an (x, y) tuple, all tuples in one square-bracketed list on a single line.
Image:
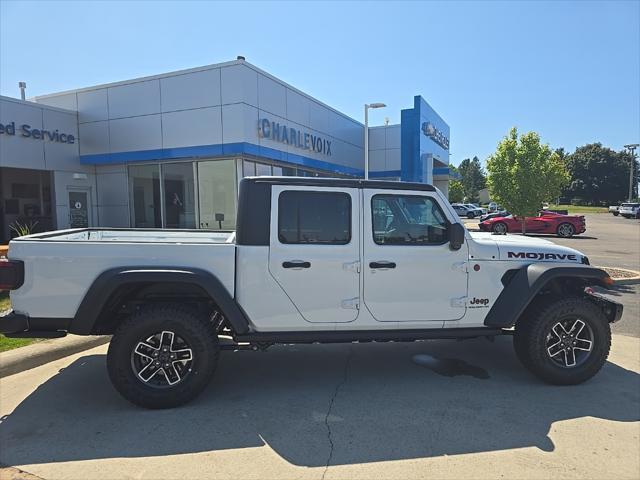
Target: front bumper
[(612, 309)]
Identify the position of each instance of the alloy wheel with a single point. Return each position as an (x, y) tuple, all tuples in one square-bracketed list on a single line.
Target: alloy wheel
[(162, 360), (569, 343)]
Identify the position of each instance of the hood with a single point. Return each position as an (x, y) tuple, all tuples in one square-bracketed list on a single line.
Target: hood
[(529, 249)]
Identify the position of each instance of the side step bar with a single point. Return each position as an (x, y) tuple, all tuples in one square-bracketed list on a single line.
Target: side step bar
[(348, 336)]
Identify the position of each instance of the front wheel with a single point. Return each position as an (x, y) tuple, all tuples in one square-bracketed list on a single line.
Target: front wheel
[(615, 214), (564, 342), (471, 215), (566, 230), (163, 356)]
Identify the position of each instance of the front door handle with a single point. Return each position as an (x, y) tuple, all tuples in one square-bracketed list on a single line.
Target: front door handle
[(382, 264), (296, 264)]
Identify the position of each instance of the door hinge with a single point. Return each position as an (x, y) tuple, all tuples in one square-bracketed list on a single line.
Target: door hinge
[(459, 302), (351, 303), (462, 266), (352, 266)]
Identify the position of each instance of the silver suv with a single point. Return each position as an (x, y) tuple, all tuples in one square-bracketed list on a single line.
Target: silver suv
[(629, 210)]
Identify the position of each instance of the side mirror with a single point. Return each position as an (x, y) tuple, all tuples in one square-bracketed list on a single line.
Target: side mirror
[(456, 236)]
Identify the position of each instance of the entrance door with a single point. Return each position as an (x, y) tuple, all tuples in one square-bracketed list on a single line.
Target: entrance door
[(314, 250), (79, 209), (410, 272)]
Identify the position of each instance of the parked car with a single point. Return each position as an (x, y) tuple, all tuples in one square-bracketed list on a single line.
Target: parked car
[(489, 216), (493, 206), (614, 209), (392, 263), (464, 211), (629, 210), (545, 222), (477, 209)]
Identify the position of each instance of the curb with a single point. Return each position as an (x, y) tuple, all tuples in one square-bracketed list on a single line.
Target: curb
[(31, 356)]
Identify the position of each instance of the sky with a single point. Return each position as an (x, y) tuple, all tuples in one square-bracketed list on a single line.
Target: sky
[(567, 70)]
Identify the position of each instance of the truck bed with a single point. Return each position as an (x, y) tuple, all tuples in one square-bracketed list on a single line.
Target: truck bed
[(60, 266), (133, 235)]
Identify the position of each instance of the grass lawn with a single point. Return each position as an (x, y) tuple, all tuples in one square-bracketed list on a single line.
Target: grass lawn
[(579, 209), (10, 343)]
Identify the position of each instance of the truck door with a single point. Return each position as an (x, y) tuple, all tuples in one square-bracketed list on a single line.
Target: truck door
[(410, 272), (314, 250)]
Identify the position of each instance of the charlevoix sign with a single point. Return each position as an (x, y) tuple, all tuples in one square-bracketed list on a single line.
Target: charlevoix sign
[(26, 131), (294, 137), (430, 130)]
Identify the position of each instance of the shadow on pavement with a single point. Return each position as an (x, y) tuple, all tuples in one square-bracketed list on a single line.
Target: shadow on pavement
[(373, 401)]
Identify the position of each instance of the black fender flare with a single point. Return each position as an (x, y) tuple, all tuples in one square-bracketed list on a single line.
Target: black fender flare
[(527, 282), (108, 281)]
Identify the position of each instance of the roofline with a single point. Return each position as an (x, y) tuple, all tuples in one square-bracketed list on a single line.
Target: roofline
[(37, 105), (341, 183), (195, 70)]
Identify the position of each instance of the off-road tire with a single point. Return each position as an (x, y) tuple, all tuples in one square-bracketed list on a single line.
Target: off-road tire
[(530, 339), (189, 324)]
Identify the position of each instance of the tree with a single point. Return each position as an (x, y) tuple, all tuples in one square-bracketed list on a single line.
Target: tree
[(473, 178), (456, 191), (523, 173), (599, 174)]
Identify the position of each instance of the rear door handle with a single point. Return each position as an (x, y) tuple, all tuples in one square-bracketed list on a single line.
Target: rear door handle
[(382, 264), (296, 264)]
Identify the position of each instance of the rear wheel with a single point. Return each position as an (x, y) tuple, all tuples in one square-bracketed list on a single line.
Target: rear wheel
[(615, 214), (163, 356), (471, 215), (499, 227), (565, 342), (565, 230)]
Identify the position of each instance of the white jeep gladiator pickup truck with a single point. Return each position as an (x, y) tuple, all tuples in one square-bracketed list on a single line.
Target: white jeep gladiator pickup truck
[(313, 260)]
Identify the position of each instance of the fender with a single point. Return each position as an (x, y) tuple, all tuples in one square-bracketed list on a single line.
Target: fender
[(107, 282), (528, 281)]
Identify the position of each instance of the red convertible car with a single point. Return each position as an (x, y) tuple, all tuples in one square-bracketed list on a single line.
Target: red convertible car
[(545, 222)]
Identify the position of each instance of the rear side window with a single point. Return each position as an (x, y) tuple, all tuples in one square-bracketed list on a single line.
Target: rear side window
[(314, 217), (407, 220)]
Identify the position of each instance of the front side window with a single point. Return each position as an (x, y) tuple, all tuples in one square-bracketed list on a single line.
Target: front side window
[(314, 218), (407, 220)]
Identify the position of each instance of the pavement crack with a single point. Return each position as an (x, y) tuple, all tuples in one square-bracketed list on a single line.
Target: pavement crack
[(347, 364)]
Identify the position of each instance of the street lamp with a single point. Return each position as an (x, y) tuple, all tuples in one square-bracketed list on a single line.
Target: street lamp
[(367, 106), (632, 150)]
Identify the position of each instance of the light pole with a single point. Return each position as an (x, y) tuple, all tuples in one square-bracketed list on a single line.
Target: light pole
[(367, 106), (632, 150)]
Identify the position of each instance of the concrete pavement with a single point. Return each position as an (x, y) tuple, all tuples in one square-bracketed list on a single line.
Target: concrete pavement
[(466, 410)]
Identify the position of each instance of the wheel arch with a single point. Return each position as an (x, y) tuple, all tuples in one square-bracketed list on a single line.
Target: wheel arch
[(125, 283), (524, 285)]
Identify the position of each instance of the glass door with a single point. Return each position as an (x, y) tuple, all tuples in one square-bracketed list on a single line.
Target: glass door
[(179, 197), (217, 194)]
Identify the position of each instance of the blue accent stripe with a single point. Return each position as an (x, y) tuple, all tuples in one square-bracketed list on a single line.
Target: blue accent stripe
[(216, 151), (205, 151)]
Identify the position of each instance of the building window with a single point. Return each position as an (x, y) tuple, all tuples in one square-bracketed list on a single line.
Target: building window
[(144, 189), (248, 168), (179, 195), (314, 218), (217, 194), (407, 220)]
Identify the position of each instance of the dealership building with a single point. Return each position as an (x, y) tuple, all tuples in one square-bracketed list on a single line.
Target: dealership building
[(168, 151)]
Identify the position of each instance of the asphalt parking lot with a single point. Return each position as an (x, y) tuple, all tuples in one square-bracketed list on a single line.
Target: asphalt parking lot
[(436, 409)]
